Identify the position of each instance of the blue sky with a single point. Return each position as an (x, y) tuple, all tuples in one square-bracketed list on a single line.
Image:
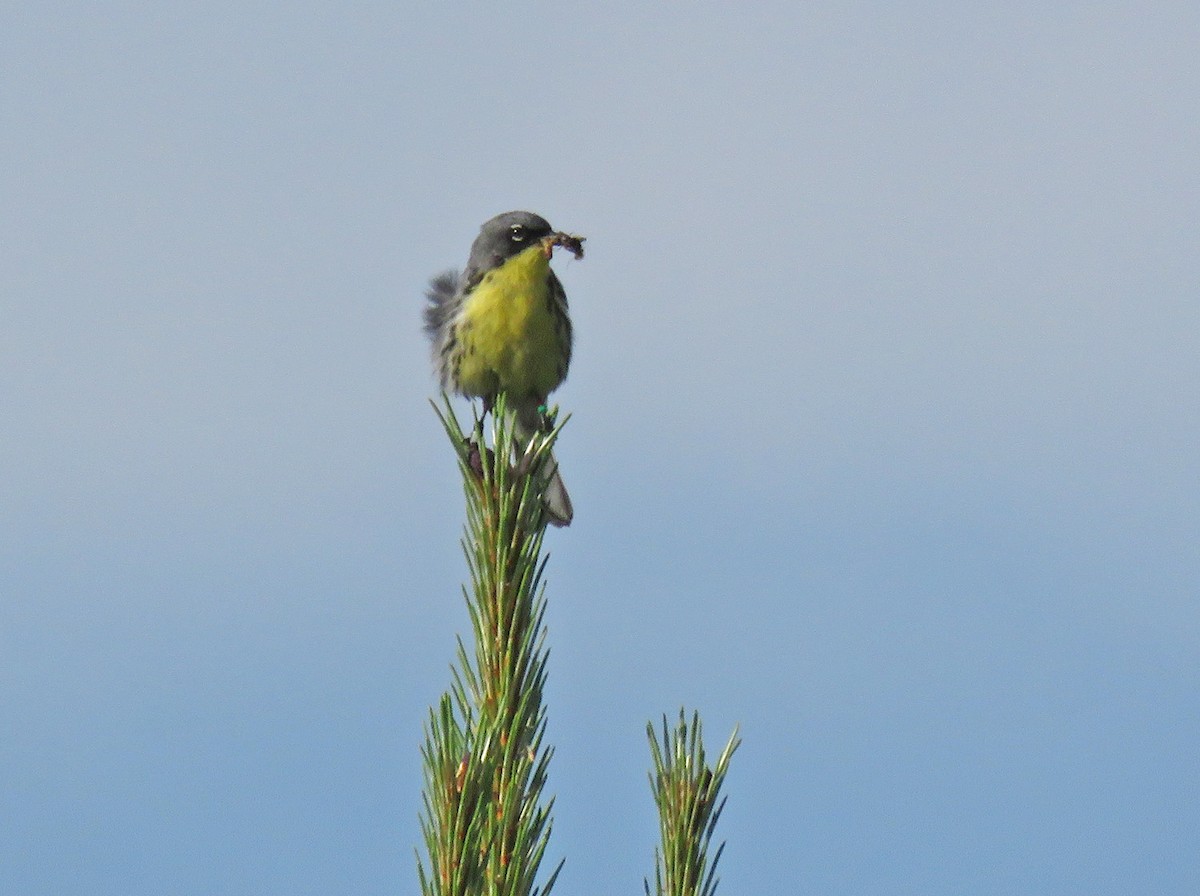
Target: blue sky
[(886, 401)]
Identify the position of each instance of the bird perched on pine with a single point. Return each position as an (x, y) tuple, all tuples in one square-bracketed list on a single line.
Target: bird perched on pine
[(502, 326)]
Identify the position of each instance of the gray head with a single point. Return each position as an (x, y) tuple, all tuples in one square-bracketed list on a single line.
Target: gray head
[(503, 237)]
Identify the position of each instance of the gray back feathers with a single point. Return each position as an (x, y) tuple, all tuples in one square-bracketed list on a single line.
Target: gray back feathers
[(444, 302)]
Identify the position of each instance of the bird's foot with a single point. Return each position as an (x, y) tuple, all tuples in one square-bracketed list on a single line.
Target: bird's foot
[(476, 452)]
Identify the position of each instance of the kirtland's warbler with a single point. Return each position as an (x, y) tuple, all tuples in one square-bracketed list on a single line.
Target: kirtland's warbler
[(502, 326)]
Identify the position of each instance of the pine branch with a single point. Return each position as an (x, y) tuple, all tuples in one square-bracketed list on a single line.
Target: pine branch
[(485, 823), (687, 793)]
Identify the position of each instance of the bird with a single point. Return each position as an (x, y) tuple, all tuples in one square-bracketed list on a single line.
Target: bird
[(502, 326)]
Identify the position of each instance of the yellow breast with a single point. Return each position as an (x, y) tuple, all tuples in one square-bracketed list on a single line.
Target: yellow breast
[(508, 337)]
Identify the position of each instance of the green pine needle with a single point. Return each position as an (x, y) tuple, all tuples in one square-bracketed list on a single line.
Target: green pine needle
[(687, 793), (485, 821)]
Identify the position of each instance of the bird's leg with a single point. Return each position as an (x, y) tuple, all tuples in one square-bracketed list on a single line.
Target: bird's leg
[(476, 448), (488, 404)]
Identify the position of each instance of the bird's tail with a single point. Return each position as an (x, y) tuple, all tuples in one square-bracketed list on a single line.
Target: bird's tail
[(555, 499)]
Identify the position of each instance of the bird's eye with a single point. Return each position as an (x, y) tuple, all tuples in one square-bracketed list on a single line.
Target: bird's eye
[(517, 232)]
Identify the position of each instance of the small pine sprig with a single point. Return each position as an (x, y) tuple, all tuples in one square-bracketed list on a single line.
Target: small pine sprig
[(485, 823), (687, 793)]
